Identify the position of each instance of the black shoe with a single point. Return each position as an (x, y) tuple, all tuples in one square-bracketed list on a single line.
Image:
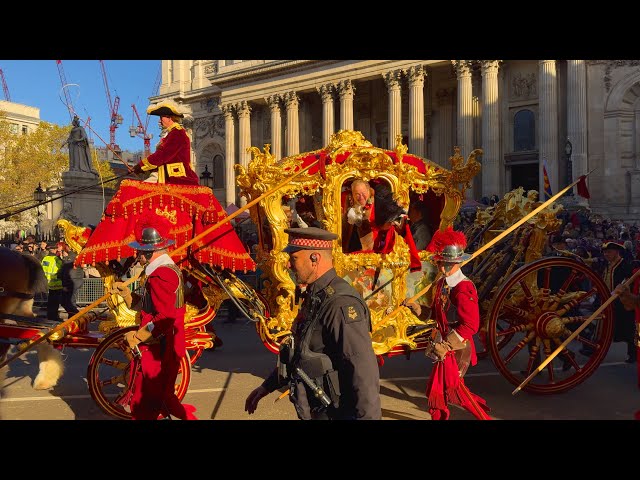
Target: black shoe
[(631, 359)]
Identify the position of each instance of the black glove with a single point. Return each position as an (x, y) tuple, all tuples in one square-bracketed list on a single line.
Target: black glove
[(137, 169)]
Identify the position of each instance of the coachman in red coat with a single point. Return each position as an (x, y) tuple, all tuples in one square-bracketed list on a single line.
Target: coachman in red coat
[(160, 337), (172, 158)]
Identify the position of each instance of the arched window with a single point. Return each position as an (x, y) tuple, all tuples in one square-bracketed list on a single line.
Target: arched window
[(524, 131), (213, 157)]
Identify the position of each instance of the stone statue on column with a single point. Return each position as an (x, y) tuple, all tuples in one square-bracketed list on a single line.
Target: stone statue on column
[(79, 149)]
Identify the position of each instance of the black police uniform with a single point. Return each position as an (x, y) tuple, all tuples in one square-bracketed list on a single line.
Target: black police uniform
[(333, 347)]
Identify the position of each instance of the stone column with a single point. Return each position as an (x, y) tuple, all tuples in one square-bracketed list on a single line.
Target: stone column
[(548, 131), (465, 111), (577, 118), (392, 79), (490, 129), (416, 76), (346, 90), (273, 102), (445, 126), (230, 160), (293, 127), (328, 128)]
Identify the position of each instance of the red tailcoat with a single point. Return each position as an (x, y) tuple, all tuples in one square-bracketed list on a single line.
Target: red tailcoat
[(384, 240), (173, 150), (445, 384), (154, 386)]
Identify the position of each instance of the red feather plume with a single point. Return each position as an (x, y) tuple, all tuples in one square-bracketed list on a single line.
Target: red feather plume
[(148, 219), (448, 236)]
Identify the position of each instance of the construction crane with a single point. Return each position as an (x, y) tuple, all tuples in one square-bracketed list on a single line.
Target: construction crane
[(116, 119), (154, 92), (140, 130), (65, 90), (7, 97)]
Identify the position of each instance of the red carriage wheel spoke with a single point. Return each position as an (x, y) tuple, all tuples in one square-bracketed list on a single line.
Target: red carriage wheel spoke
[(577, 301), (563, 289), (520, 345), (527, 293)]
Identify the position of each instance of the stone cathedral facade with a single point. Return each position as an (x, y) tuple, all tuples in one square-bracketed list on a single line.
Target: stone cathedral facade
[(572, 115)]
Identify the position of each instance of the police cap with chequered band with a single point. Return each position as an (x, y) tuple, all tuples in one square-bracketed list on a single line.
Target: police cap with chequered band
[(310, 238)]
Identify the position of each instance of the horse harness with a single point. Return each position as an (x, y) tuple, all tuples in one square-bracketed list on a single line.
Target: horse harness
[(4, 292)]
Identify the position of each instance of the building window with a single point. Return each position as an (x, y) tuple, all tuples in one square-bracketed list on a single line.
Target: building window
[(25, 130), (524, 131), (14, 128)]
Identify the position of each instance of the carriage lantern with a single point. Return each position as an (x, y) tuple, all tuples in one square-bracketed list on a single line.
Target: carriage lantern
[(39, 195), (206, 179)]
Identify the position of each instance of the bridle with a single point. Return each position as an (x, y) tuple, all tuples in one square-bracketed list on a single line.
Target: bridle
[(4, 292)]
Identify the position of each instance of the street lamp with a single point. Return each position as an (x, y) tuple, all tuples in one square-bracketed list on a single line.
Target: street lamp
[(40, 196), (206, 179), (568, 149)]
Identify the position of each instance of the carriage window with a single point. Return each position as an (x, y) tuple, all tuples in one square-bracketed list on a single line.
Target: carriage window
[(357, 203), (302, 211), (421, 230)]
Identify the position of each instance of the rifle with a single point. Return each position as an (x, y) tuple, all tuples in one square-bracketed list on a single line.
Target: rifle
[(317, 391)]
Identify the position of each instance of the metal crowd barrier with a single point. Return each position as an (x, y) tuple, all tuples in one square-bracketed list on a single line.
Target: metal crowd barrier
[(90, 291)]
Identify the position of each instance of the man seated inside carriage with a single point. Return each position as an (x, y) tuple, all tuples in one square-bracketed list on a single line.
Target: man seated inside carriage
[(374, 221)]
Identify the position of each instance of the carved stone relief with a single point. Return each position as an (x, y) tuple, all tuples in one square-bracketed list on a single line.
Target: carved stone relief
[(209, 127), (612, 65), (524, 86)]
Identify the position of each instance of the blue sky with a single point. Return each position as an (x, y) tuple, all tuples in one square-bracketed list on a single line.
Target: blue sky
[(37, 83)]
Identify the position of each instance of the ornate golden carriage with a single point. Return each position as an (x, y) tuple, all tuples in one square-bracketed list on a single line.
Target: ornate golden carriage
[(529, 303), (321, 195)]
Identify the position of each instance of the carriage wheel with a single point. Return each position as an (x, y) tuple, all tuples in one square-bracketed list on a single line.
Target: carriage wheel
[(109, 375), (539, 307)]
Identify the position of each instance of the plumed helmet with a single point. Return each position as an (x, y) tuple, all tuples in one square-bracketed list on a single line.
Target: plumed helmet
[(448, 246), (452, 254), (152, 233)]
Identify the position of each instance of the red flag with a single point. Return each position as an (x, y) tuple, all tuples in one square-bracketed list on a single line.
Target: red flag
[(583, 191)]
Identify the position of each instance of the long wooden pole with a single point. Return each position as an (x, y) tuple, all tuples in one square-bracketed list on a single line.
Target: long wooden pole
[(66, 323), (575, 333)]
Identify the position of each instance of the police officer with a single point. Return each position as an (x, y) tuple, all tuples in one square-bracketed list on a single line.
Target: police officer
[(328, 361)]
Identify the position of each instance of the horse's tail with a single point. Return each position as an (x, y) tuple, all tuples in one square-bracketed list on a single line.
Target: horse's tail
[(37, 279)]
